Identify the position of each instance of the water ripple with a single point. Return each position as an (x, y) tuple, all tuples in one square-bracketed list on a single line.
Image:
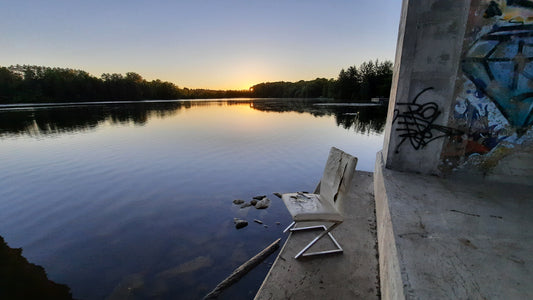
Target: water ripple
[(99, 207)]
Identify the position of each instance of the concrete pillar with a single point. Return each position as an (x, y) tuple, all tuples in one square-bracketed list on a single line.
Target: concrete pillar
[(427, 59), (462, 92)]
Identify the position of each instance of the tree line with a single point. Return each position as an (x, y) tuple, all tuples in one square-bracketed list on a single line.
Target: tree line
[(370, 79), (30, 84)]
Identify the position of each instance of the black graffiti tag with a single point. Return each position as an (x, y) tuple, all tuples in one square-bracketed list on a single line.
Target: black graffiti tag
[(415, 123)]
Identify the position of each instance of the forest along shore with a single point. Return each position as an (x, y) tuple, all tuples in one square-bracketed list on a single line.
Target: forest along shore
[(40, 84)]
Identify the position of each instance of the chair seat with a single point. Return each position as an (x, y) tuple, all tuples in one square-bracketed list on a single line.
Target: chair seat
[(309, 207)]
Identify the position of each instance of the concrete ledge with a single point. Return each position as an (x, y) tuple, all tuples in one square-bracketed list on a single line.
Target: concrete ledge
[(389, 268), (350, 275), (453, 239)]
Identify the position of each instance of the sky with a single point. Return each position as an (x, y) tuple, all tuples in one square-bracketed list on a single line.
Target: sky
[(214, 44)]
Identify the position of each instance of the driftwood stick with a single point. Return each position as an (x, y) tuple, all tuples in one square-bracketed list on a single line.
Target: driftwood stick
[(242, 270)]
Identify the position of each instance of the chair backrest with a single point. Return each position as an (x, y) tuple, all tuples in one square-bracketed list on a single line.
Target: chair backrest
[(337, 175)]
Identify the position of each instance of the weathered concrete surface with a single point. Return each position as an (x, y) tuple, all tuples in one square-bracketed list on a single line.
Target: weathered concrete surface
[(350, 275), (389, 267), (453, 239), (428, 55)]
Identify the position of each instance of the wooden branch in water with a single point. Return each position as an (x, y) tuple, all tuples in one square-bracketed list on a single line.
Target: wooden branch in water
[(242, 270)]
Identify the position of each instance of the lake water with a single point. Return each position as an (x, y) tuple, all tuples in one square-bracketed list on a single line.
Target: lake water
[(124, 199)]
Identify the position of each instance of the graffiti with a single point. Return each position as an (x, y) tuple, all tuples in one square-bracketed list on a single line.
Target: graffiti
[(499, 64), (493, 10), (471, 114), (512, 11), (494, 99), (416, 123)]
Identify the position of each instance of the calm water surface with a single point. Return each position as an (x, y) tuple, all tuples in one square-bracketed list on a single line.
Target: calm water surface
[(135, 200)]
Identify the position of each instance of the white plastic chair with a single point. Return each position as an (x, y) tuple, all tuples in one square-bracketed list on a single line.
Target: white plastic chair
[(322, 206)]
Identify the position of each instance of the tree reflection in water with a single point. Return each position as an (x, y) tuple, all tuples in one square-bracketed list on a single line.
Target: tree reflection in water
[(20, 279), (363, 119), (48, 120)]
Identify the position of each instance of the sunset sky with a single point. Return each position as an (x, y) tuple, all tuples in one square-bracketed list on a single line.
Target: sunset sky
[(215, 44)]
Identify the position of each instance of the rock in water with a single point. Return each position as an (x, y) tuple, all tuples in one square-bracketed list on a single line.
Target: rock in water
[(238, 201), (258, 221), (265, 203), (253, 202), (277, 195), (239, 223), (245, 205), (259, 197)]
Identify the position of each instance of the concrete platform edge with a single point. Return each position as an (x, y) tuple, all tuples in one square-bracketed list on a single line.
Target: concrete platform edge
[(390, 275), (282, 250)]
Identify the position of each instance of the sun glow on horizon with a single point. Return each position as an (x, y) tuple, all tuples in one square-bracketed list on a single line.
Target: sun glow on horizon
[(192, 45)]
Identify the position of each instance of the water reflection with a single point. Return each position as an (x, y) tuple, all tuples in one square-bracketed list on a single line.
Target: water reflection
[(63, 119), (36, 121), (24, 280), (137, 198), (359, 118)]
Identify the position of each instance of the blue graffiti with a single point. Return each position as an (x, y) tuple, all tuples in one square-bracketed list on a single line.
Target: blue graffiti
[(500, 65)]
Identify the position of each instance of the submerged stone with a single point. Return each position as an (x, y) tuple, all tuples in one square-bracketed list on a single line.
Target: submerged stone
[(131, 284), (265, 203), (245, 205), (239, 223), (190, 266), (259, 197), (238, 201)]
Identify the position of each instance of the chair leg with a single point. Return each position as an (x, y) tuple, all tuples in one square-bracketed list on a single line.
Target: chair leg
[(321, 235), (289, 227)]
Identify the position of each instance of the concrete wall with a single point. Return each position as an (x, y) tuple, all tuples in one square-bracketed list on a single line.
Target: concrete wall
[(493, 98), (462, 95)]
